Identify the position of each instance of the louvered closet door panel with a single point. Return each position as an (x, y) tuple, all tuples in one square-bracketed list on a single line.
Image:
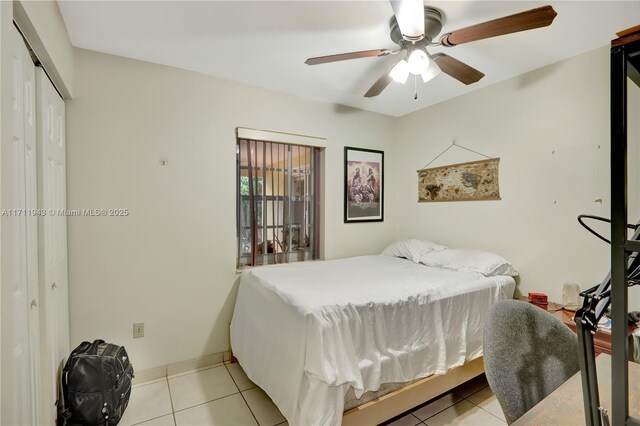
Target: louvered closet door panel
[(52, 235), (16, 406), (31, 202)]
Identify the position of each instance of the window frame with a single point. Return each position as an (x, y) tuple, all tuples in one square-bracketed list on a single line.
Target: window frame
[(310, 198)]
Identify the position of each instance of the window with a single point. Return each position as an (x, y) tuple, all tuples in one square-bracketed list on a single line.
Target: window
[(276, 202)]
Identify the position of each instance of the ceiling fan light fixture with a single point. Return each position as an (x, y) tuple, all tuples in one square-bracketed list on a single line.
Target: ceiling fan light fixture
[(418, 62), (410, 17), (400, 72), (414, 27), (430, 72)]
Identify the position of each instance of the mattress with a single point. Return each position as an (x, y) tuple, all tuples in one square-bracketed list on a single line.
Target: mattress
[(308, 332)]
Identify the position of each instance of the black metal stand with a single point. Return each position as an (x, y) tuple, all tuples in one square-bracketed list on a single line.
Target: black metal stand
[(596, 301), (587, 360), (625, 261), (625, 62)]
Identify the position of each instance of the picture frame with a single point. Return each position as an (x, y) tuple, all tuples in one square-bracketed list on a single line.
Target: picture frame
[(363, 185)]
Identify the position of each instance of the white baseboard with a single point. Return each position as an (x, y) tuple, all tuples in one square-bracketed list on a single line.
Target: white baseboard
[(180, 367)]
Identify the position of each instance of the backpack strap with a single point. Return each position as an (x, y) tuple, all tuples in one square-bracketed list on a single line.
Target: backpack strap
[(82, 348), (93, 349)]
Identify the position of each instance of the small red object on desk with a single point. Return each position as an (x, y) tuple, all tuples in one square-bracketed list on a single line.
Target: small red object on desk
[(538, 298)]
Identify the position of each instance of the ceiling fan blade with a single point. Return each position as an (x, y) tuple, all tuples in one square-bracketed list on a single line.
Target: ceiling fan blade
[(534, 18), (410, 17), (346, 56), (456, 69), (378, 86)]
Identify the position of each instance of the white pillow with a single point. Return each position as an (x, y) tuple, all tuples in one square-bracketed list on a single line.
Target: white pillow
[(411, 249), (482, 262)]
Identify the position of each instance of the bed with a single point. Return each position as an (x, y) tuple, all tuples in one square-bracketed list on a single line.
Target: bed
[(311, 333)]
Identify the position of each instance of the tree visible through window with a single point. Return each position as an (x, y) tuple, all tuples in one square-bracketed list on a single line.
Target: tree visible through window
[(276, 205)]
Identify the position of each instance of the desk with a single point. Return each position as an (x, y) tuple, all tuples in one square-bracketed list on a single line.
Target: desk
[(602, 338), (564, 406)]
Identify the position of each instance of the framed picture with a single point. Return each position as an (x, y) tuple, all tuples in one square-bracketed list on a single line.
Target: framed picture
[(363, 185)]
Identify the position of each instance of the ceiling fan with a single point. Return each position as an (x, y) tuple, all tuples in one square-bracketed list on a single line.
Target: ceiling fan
[(414, 26)]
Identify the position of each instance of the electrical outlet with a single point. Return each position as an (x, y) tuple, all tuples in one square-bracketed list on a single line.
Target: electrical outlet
[(138, 330)]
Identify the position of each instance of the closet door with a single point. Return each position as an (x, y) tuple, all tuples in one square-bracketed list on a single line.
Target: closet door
[(31, 203), (52, 237), (19, 321)]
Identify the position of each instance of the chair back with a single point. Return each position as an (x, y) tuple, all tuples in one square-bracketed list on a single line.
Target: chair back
[(528, 353)]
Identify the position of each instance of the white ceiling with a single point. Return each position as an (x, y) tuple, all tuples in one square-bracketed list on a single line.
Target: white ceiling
[(265, 43)]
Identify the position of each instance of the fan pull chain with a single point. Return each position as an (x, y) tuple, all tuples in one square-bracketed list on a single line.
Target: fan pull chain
[(415, 85)]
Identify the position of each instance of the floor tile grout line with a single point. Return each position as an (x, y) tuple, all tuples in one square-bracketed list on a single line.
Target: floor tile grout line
[(157, 417), (186, 373), (243, 398), (148, 382), (232, 379), (250, 410), (502, 420), (463, 399), (173, 412), (435, 414), (452, 393), (251, 388), (238, 386), (206, 402), (148, 420), (249, 407), (471, 394), (487, 411)]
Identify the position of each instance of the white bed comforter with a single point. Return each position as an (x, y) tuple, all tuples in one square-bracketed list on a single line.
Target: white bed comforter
[(305, 332)]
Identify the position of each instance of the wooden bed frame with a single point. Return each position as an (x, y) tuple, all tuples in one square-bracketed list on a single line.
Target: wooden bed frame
[(404, 399)]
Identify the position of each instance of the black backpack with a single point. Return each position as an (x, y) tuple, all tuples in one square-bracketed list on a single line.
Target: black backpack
[(96, 384)]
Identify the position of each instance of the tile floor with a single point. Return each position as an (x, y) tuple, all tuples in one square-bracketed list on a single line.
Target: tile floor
[(218, 395), (472, 404), (223, 395)]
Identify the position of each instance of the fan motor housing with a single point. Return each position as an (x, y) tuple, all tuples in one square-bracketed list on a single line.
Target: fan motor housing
[(432, 26)]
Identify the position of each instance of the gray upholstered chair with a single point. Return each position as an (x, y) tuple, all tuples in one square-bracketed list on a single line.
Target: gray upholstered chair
[(528, 353)]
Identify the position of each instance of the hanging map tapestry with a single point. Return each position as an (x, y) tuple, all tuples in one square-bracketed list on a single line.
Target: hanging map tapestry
[(477, 180)]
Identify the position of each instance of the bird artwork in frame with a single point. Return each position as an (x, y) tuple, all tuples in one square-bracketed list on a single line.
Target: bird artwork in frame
[(472, 181)]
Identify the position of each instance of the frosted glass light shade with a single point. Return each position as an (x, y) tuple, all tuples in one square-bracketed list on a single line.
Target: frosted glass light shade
[(418, 62), (430, 72), (400, 72)]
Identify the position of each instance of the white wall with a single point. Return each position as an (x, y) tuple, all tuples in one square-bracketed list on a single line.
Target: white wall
[(171, 263), (550, 128), (42, 25)]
